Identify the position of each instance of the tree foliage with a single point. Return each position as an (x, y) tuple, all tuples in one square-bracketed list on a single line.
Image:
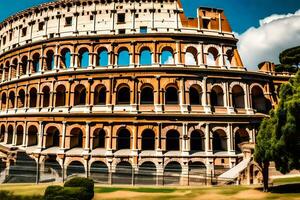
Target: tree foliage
[(289, 59)]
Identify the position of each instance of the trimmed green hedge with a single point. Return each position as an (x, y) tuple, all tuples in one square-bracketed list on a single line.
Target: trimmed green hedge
[(5, 195)]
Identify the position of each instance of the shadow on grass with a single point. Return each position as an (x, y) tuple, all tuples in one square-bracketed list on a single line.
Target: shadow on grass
[(284, 189), (144, 190)]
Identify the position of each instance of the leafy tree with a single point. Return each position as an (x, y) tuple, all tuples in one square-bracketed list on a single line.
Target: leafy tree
[(289, 59), (278, 139)]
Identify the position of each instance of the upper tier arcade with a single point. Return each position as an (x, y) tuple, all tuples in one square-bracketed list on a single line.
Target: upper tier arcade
[(90, 18)]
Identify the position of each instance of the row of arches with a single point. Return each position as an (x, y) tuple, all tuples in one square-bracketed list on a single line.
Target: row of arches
[(53, 138), (124, 93), (50, 61)]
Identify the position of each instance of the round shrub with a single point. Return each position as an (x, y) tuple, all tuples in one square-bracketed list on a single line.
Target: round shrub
[(52, 190), (86, 183)]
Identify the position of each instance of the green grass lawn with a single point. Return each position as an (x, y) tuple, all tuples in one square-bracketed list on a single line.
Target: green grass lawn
[(288, 189)]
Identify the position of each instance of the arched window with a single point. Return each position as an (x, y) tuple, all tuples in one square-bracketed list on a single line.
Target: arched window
[(2, 133), (21, 99), (53, 137), (10, 133), (99, 139), (76, 138), (229, 58), (60, 99), (259, 102), (147, 96), (172, 173), (84, 57), (123, 57), (11, 100), (46, 96), (212, 57), (147, 173), (217, 96), (123, 140), (3, 101), (14, 68), (79, 95), (32, 136), (6, 70), (100, 95), (219, 141), (241, 136), (123, 173), (238, 97), (75, 167), (171, 96), (123, 95), (191, 56), (195, 95), (197, 141), (197, 168), (148, 140), (50, 60), (20, 133), (102, 58), (66, 58), (172, 141), (145, 57), (36, 62), (24, 65), (167, 57), (99, 172), (33, 98)]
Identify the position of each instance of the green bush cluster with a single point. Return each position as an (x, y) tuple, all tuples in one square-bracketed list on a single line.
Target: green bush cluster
[(74, 189), (5, 195)]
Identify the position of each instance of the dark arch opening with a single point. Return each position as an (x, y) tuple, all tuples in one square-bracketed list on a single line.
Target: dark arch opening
[(76, 138), (32, 136), (24, 66), (241, 136), (99, 172), (60, 96), (219, 141), (11, 100), (75, 168), (99, 139), (147, 96), (2, 133), (33, 98), (46, 96), (50, 60), (100, 95), (238, 97), (148, 140), (3, 101), (52, 167), (21, 99), (123, 95), (10, 133), (53, 137), (123, 140), (36, 62), (216, 96), (195, 95), (172, 140), (20, 133), (259, 102), (197, 141), (171, 95), (80, 95)]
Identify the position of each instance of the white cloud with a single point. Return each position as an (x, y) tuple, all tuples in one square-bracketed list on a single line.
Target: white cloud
[(169, 61), (275, 34), (190, 59)]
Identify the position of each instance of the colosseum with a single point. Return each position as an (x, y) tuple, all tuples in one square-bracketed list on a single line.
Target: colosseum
[(129, 91)]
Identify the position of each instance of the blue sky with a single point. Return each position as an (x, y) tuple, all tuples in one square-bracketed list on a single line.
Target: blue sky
[(241, 13)]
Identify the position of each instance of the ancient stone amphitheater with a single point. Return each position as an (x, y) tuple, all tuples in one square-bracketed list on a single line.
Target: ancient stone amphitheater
[(128, 92)]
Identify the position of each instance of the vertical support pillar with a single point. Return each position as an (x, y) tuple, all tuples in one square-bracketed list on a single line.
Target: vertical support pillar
[(41, 136), (87, 136), (208, 147), (206, 105), (230, 139), (63, 139), (25, 135)]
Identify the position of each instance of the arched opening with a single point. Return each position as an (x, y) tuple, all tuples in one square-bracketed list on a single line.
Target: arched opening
[(191, 56), (3, 101), (241, 136), (99, 138), (84, 57), (99, 172), (76, 138), (52, 167), (102, 60), (219, 141), (60, 96), (167, 57), (36, 63), (2, 133), (21, 99), (123, 140), (32, 136), (238, 97), (6, 70), (259, 102), (10, 133), (123, 95), (147, 174), (229, 58), (147, 96), (33, 98), (148, 140), (20, 133), (24, 63), (197, 140), (46, 96), (172, 173), (123, 57), (197, 172), (14, 68), (52, 137), (123, 173), (100, 95), (171, 96), (66, 58), (216, 96), (195, 95), (11, 98), (172, 140), (50, 60), (145, 57), (79, 95), (75, 168), (212, 57)]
